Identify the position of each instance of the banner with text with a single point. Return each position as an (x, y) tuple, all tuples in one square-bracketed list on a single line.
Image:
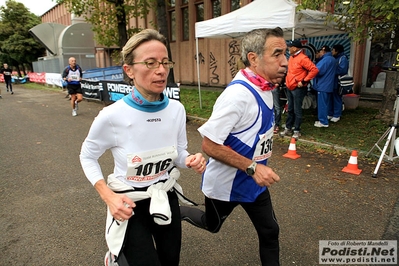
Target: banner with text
[(110, 91)]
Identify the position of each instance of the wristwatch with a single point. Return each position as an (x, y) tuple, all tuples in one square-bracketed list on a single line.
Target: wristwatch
[(251, 169)]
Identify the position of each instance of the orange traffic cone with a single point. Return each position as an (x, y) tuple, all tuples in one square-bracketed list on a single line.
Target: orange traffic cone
[(292, 150), (351, 168)]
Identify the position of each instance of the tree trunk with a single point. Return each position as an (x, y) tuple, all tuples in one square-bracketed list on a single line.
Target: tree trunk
[(162, 23), (389, 96), (121, 20), (358, 68), (19, 70)]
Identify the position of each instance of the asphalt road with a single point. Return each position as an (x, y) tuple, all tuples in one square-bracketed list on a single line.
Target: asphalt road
[(51, 215)]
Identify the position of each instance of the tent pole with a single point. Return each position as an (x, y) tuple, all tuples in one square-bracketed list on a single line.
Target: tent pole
[(293, 33), (198, 73)]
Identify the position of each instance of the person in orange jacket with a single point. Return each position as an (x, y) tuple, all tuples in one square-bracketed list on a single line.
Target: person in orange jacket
[(301, 70)]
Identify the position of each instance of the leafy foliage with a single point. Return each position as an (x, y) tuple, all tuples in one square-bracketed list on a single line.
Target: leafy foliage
[(110, 18), (17, 46), (362, 17)]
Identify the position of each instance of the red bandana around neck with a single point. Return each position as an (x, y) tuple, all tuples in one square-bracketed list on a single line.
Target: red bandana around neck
[(263, 84)]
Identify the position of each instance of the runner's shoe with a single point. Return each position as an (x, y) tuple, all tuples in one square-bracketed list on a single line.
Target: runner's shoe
[(74, 113), (109, 259)]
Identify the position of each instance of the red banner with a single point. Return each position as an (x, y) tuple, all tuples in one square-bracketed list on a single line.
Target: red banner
[(37, 77)]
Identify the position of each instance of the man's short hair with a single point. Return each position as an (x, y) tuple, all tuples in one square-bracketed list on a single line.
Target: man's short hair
[(339, 48), (324, 48)]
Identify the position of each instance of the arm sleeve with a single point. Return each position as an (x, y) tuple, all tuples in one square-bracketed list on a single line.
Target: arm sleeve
[(95, 144), (343, 66), (311, 68), (64, 73), (182, 142), (322, 67), (228, 110)]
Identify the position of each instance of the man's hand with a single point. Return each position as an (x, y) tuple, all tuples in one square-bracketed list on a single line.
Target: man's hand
[(265, 176)]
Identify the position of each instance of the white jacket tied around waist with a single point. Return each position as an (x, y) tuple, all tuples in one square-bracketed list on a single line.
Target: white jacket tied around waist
[(159, 207)]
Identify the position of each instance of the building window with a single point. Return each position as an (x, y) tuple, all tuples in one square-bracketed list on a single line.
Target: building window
[(172, 31), (340, 8), (216, 9), (234, 5), (186, 25), (172, 20), (199, 11)]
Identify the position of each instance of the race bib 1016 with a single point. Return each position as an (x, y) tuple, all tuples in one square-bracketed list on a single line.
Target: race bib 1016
[(149, 165)]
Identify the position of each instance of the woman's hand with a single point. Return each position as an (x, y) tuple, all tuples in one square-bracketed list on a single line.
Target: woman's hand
[(120, 205), (196, 162)]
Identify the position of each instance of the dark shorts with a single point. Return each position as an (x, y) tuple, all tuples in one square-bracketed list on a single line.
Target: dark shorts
[(74, 89)]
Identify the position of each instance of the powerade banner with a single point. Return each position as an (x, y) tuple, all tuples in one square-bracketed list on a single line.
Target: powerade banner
[(115, 90), (109, 91)]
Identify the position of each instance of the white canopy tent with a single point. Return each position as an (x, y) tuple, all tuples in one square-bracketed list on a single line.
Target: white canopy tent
[(255, 15), (312, 23), (264, 14)]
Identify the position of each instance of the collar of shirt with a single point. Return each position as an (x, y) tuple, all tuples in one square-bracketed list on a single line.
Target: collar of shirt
[(297, 53), (259, 81)]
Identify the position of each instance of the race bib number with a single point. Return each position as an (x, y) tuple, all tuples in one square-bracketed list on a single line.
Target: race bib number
[(264, 146), (146, 166), (75, 77)]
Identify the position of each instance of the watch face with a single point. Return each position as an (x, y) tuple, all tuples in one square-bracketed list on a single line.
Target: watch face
[(250, 171)]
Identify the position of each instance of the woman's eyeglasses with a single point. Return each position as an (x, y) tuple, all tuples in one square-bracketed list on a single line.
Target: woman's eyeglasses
[(153, 64)]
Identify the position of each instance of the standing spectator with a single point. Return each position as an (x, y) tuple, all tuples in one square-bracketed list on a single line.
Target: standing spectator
[(73, 75), (146, 133), (323, 83), (342, 67), (7, 72), (301, 70), (238, 138)]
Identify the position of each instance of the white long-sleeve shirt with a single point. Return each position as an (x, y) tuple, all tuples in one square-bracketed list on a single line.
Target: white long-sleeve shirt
[(143, 144)]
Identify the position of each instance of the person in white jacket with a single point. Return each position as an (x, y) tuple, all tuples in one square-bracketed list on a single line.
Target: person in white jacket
[(146, 133)]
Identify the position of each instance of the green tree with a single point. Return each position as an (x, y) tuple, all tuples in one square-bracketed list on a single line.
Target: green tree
[(17, 47), (362, 18), (110, 19)]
